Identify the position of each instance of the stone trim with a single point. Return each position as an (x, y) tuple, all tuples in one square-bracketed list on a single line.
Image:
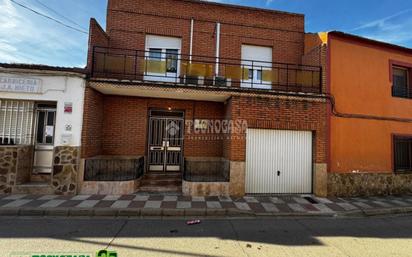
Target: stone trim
[(65, 169), (368, 184), (15, 166)]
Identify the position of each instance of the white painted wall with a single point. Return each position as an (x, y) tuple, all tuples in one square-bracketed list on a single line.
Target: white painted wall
[(60, 88)]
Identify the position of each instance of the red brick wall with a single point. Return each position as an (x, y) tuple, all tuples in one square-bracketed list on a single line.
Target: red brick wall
[(97, 37), (92, 123), (269, 113), (124, 126), (128, 21)]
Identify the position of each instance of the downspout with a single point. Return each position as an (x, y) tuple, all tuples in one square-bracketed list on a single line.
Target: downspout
[(192, 23), (217, 48)]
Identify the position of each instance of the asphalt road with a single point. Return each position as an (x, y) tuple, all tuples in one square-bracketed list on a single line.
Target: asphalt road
[(387, 236)]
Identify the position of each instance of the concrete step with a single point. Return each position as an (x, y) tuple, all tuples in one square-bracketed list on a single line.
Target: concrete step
[(33, 188), (163, 175), (161, 182), (150, 189)]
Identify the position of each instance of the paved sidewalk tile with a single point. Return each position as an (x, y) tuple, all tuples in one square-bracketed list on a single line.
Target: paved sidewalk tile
[(4, 202), (400, 203), (213, 205), (276, 200), (242, 206), (48, 197), (183, 205), (87, 204), (300, 200), (153, 204), (347, 206), (14, 197), (121, 204), (104, 204), (17, 203), (322, 200), (96, 197), (256, 207), (225, 199), (141, 198), (250, 199), (80, 197), (270, 207), (52, 203), (383, 204), (177, 203), (296, 207), (323, 208), (127, 197), (170, 198), (137, 204), (199, 205), (111, 197), (70, 203), (34, 203), (169, 204), (362, 205)]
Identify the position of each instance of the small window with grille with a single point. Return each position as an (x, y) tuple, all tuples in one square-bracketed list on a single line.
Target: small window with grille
[(403, 154), (401, 82), (16, 122)]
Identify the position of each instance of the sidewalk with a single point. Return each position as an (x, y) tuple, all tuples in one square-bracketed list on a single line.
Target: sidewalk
[(141, 205)]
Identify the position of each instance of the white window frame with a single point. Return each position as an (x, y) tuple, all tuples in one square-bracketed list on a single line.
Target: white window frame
[(258, 59), (164, 44)]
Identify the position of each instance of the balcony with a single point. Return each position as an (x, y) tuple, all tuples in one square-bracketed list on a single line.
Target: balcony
[(203, 71)]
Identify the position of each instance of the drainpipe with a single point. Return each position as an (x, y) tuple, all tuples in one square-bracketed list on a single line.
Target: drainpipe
[(192, 23), (217, 48)]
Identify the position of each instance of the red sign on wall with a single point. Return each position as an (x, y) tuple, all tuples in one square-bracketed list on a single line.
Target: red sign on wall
[(68, 107)]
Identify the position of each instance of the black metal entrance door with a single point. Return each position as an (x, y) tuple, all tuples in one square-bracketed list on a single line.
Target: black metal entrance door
[(165, 141)]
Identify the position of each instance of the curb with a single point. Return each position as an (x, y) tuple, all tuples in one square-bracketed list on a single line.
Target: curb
[(189, 213)]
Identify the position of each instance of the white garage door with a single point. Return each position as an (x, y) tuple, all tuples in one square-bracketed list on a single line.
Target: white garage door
[(278, 161)]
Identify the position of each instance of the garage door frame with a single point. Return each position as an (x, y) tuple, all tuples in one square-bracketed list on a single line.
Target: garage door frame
[(310, 156)]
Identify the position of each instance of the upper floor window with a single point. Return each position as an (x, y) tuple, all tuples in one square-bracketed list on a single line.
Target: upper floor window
[(401, 82), (162, 58), (403, 153), (256, 62)]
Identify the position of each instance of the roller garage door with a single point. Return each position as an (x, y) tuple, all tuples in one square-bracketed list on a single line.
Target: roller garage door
[(278, 161)]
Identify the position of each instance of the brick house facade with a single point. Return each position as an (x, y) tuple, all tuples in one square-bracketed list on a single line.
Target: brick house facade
[(121, 96)]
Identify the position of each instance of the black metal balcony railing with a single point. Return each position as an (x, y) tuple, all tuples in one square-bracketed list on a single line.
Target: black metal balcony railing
[(113, 169), (114, 63)]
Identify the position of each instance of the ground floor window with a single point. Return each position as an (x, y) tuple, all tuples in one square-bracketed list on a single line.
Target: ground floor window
[(403, 153), (16, 122)]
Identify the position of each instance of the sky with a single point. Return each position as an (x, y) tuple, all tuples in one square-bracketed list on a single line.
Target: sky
[(26, 37)]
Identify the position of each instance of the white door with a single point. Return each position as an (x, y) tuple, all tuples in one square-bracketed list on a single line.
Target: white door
[(44, 139), (278, 161)]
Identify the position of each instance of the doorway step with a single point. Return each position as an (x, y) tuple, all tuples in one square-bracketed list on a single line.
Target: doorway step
[(161, 182), (34, 188)]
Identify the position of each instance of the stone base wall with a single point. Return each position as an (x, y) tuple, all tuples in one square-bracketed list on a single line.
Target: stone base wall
[(237, 178), (369, 184), (205, 188), (109, 187), (24, 164), (320, 179), (65, 169), (15, 166)]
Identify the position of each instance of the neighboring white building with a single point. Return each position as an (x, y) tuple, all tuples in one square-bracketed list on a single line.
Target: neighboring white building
[(41, 111)]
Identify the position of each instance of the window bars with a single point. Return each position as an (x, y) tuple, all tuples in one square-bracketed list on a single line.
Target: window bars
[(16, 122)]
